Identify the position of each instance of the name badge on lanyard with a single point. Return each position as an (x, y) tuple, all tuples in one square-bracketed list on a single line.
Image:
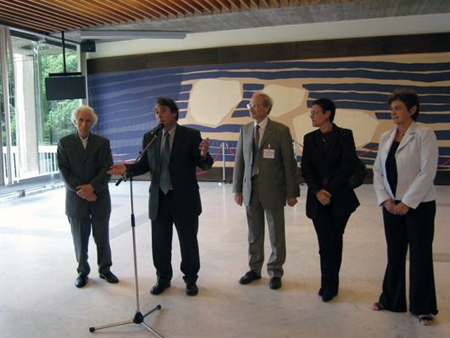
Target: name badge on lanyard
[(269, 153)]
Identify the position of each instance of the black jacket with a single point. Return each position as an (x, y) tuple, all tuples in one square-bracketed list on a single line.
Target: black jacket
[(329, 170), (184, 159)]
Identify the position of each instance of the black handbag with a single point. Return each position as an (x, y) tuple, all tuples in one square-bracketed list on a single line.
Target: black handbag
[(358, 175)]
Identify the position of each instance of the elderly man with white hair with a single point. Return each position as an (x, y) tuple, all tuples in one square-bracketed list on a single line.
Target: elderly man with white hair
[(84, 159)]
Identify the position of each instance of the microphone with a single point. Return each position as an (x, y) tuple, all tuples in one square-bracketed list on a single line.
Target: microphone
[(157, 128), (124, 176), (153, 133)]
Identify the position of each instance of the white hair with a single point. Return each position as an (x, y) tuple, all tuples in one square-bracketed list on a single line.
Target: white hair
[(77, 111)]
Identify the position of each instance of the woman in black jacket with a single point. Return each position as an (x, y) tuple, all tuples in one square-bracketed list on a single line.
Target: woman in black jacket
[(329, 157)]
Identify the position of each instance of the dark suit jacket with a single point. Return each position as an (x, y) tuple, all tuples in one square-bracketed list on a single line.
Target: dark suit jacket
[(335, 165), (184, 158), (79, 166)]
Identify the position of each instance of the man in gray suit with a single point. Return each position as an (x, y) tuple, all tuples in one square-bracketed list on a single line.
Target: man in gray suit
[(84, 159), (265, 179)]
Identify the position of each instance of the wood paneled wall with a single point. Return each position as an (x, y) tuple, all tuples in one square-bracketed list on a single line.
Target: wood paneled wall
[(390, 45)]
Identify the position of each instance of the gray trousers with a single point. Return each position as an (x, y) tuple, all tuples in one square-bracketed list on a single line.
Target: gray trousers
[(81, 231), (275, 223)]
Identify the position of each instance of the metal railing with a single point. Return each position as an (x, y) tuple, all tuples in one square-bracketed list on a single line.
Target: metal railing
[(46, 157), (47, 160)]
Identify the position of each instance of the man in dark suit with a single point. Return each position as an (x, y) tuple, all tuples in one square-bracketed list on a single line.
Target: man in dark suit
[(84, 159), (174, 193), (265, 179)]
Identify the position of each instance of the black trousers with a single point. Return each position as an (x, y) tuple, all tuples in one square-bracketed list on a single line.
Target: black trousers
[(416, 230), (330, 232), (81, 231), (162, 233)]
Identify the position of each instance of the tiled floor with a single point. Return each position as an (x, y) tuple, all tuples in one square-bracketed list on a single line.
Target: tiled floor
[(37, 272)]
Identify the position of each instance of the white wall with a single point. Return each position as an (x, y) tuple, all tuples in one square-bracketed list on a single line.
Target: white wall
[(420, 24)]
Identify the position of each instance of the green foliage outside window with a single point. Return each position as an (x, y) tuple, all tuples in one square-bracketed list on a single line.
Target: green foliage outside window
[(55, 121), (12, 109), (54, 118)]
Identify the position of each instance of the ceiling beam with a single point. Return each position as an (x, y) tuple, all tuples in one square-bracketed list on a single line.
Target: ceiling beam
[(130, 34)]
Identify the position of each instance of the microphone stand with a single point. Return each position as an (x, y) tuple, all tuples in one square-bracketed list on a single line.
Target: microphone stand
[(138, 316)]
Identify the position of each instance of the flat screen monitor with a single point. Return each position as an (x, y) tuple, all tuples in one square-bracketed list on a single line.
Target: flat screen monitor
[(65, 87)]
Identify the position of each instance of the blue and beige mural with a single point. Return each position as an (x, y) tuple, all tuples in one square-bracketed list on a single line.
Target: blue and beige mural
[(213, 99)]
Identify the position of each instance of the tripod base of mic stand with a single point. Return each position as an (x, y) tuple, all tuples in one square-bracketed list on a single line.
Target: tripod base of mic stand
[(138, 319)]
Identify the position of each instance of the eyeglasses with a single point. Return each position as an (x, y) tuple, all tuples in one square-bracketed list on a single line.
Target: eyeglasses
[(314, 113), (252, 105)]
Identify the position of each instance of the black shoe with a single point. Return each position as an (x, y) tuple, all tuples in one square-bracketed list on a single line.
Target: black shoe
[(110, 277), (191, 289), (275, 283), (321, 292), (249, 277), (81, 280), (159, 288), (328, 294)]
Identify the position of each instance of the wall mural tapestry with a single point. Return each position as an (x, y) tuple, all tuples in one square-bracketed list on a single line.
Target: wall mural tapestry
[(213, 99)]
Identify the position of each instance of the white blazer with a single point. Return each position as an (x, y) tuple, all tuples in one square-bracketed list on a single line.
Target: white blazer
[(416, 158)]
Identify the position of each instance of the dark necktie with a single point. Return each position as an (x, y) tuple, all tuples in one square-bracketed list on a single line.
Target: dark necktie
[(255, 169), (165, 184)]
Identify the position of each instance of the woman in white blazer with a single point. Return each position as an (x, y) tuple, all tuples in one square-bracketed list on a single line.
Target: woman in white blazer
[(404, 171)]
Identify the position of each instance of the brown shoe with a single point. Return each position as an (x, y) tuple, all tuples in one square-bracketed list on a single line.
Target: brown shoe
[(377, 306)]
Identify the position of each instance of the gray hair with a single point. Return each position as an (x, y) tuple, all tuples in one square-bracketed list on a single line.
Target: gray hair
[(267, 100), (77, 111)]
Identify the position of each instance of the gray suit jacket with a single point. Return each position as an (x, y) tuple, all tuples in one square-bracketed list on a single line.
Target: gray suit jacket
[(79, 166), (277, 176)]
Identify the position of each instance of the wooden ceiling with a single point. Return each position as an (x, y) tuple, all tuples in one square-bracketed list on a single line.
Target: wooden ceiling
[(54, 16), (51, 17)]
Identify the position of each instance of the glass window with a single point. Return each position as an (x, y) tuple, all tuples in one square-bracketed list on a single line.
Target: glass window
[(36, 124), (55, 119)]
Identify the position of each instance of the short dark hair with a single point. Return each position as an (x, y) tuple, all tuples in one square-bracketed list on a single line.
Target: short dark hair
[(168, 102), (408, 97), (326, 105)]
